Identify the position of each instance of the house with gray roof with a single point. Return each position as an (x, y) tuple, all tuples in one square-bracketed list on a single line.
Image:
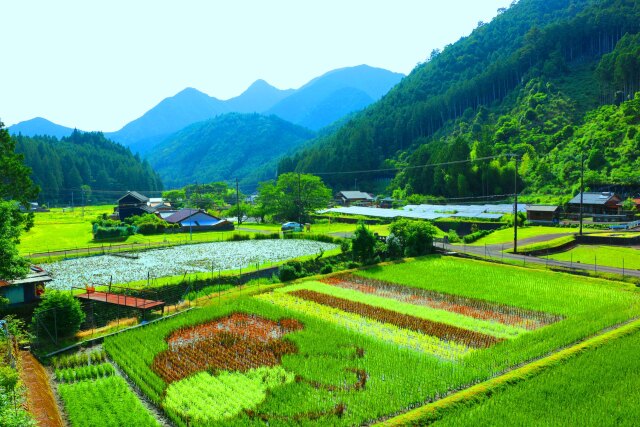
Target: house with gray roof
[(357, 198), (603, 203)]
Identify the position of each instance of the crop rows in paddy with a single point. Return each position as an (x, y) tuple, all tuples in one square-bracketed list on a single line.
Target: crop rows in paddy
[(478, 309), (427, 327), (347, 369)]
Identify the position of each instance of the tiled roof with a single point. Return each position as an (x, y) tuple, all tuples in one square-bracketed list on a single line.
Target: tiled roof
[(540, 208), (135, 194), (356, 195), (592, 198)]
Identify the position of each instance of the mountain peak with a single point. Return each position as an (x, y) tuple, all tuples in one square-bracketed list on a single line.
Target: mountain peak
[(40, 126)]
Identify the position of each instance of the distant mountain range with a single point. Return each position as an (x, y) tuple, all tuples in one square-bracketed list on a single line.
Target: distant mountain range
[(40, 126), (318, 103)]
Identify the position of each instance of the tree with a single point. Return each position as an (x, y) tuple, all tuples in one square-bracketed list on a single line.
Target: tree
[(293, 197), (15, 184), (175, 197), (414, 237), (363, 244), (59, 313), (12, 222)]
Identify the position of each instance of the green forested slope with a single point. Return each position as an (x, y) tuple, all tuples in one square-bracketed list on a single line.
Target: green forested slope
[(61, 167), (521, 84), (226, 147)]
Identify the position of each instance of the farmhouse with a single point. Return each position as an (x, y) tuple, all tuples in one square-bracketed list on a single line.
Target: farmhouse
[(357, 198), (540, 214), (604, 203), (26, 290), (196, 220), (133, 203)]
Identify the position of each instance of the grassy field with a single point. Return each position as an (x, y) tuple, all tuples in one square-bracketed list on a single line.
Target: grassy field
[(504, 236), (596, 388), (610, 256), (60, 231), (360, 350)]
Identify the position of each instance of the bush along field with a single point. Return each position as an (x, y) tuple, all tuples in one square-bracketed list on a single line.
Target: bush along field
[(93, 395), (357, 347)]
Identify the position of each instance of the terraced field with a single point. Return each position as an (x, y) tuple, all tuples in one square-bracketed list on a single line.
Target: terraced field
[(355, 348)]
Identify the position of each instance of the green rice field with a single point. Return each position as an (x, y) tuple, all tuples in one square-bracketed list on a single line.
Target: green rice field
[(610, 256), (351, 349), (596, 388)]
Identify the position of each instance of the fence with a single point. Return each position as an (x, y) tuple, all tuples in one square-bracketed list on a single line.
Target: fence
[(497, 253), (115, 308)]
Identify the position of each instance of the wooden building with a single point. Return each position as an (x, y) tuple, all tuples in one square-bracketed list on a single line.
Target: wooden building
[(542, 214)]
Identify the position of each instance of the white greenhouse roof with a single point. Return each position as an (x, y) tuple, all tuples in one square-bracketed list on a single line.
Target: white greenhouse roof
[(432, 212)]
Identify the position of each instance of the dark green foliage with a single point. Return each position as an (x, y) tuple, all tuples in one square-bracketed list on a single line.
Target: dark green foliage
[(63, 166), (363, 244), (415, 237), (101, 233), (228, 146), (150, 224), (520, 84), (240, 237), (266, 236), (470, 238), (287, 273), (328, 268), (12, 222), (59, 313), (293, 197)]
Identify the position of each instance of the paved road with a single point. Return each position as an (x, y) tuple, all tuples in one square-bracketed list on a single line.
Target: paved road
[(495, 253)]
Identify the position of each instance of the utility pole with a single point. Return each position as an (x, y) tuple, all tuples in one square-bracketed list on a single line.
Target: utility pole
[(82, 189), (238, 203), (515, 206), (72, 200), (299, 201), (581, 188)]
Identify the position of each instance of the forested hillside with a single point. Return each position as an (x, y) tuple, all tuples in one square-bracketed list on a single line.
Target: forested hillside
[(528, 83), (224, 148), (62, 167)]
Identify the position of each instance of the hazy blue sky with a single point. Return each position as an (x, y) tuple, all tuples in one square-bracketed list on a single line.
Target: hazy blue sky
[(98, 65)]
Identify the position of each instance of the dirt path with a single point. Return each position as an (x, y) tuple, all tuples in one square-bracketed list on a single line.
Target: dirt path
[(40, 400)]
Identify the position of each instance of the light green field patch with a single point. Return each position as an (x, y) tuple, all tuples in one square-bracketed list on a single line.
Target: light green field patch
[(406, 338), (203, 398), (495, 329)]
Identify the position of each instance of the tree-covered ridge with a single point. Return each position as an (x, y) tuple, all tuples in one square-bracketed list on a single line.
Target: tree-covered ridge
[(490, 75), (62, 167), (224, 148)]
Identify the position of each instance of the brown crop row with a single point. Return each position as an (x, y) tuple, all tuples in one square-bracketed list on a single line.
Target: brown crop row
[(478, 309), (236, 343), (428, 327)]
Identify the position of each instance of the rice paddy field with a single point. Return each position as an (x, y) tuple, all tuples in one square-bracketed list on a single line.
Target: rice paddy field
[(596, 388), (355, 348), (505, 236), (610, 256)]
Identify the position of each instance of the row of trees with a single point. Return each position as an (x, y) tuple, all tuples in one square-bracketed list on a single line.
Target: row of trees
[(67, 169)]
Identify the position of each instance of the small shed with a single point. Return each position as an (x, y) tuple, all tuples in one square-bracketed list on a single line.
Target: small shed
[(26, 290), (543, 214)]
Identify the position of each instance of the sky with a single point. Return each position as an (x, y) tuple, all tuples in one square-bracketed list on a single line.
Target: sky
[(99, 65)]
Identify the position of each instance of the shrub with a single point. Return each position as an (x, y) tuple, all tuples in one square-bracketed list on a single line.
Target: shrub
[(345, 246), (287, 273), (60, 313), (363, 244), (326, 269), (452, 236), (470, 238), (240, 237), (414, 237)]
